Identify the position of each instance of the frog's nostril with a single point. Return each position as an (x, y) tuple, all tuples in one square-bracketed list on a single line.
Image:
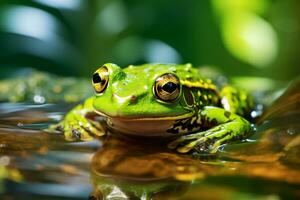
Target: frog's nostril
[(133, 99)]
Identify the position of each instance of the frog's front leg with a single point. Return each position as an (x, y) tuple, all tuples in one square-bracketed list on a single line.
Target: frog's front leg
[(76, 126), (225, 127)]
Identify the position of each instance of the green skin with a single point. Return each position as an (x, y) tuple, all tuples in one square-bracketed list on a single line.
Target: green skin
[(201, 118)]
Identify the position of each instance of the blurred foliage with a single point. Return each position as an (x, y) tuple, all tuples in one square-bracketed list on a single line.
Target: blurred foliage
[(73, 37), (38, 87)]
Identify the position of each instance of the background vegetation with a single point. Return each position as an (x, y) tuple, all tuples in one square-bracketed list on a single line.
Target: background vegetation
[(73, 37)]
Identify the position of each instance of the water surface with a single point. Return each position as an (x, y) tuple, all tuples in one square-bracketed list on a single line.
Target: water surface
[(38, 165)]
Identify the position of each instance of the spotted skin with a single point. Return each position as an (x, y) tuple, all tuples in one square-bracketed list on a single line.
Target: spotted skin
[(213, 126), (216, 126)]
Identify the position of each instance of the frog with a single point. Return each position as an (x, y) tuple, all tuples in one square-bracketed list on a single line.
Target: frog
[(174, 102)]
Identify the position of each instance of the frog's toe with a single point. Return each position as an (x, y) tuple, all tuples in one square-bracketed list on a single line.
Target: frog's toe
[(201, 145), (90, 126), (185, 139), (74, 132), (188, 147), (94, 128), (206, 141), (54, 128), (80, 130)]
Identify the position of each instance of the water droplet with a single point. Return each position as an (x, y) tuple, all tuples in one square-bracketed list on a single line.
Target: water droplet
[(39, 99), (259, 107), (256, 113), (291, 131)]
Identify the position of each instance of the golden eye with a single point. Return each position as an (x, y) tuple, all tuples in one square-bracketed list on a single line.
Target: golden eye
[(100, 79), (167, 87)]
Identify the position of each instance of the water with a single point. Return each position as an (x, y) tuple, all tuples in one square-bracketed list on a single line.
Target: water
[(38, 165)]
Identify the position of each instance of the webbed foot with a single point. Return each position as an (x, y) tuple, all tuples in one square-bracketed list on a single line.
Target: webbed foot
[(78, 128), (211, 139)]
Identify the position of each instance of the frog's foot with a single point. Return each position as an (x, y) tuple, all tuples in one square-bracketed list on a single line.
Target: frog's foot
[(78, 128), (209, 140)]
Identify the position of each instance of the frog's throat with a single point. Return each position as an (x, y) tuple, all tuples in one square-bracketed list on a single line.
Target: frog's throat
[(144, 126)]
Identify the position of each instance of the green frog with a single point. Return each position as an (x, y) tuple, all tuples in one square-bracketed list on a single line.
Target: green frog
[(170, 101)]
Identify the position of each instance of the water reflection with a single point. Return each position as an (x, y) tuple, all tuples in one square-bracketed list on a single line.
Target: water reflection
[(36, 165)]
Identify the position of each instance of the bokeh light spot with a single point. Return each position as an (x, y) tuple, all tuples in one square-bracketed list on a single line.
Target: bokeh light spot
[(63, 4), (112, 19), (250, 38), (28, 21), (158, 51)]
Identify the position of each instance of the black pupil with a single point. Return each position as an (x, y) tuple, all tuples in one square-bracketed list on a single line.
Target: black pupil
[(169, 87), (96, 78)]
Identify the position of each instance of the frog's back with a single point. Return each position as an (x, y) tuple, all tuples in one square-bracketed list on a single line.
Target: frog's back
[(184, 72), (204, 91)]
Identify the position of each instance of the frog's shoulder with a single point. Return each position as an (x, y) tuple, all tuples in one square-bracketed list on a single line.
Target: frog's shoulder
[(187, 71), (192, 77), (189, 74)]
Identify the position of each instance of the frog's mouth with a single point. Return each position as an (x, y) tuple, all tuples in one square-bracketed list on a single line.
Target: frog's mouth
[(144, 126)]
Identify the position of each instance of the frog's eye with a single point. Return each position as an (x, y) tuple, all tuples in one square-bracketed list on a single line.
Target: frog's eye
[(167, 87), (100, 79)]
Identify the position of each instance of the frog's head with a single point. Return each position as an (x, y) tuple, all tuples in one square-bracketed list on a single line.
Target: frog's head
[(146, 98)]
